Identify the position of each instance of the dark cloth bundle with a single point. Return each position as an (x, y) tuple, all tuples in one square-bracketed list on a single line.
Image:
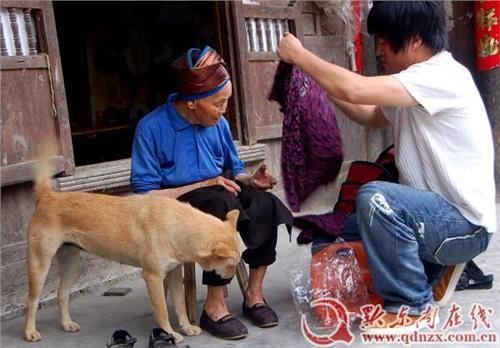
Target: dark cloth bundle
[(260, 212), (311, 153), (260, 215)]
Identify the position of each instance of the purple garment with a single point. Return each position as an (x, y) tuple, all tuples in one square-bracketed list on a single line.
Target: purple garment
[(331, 224), (311, 153)]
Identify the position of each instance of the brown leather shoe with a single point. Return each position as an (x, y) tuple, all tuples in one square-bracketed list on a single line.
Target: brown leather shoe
[(227, 327), (261, 314), (444, 288)]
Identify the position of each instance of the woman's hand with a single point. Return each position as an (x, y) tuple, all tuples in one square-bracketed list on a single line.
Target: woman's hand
[(229, 185), (289, 48), (261, 180)]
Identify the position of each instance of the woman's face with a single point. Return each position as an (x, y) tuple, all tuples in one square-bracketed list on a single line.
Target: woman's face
[(209, 110)]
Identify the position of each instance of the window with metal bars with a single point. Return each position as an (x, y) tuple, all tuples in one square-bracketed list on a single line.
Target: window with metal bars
[(18, 34), (264, 34)]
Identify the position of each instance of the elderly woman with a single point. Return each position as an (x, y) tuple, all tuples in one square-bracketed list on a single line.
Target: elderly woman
[(184, 149)]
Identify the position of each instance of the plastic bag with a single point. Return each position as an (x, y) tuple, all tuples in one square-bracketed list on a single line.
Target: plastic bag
[(333, 271), (335, 274)]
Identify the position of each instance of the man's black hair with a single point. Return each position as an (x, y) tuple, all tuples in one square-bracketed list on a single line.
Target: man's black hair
[(398, 22)]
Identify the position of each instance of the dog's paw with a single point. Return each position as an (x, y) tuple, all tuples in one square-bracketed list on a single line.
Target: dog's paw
[(32, 336), (178, 337), (71, 326), (191, 330)]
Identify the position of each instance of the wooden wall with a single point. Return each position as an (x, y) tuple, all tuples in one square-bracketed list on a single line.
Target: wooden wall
[(322, 34), (325, 36)]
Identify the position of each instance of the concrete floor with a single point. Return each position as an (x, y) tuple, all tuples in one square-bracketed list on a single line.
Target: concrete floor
[(100, 316)]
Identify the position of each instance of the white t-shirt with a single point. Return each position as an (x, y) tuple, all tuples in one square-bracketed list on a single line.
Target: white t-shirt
[(445, 144)]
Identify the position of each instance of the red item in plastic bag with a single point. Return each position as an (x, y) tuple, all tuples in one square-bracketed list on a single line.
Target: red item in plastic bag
[(340, 271)]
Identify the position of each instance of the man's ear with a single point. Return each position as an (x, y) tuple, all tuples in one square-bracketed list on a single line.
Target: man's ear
[(232, 217), (415, 42), (222, 250), (191, 104)]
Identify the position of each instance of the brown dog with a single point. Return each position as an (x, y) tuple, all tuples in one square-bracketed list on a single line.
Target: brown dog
[(155, 233)]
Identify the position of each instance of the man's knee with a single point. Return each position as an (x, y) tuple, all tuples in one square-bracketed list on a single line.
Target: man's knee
[(372, 199), (372, 192)]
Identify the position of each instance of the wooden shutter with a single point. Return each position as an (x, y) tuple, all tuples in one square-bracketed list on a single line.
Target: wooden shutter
[(33, 106), (257, 29)]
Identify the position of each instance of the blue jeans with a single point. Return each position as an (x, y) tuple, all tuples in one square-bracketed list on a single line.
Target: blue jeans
[(403, 229)]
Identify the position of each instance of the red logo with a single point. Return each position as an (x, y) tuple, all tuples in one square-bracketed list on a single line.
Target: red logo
[(340, 333)]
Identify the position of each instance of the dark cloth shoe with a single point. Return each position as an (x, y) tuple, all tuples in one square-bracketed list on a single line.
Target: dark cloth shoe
[(159, 338), (261, 314), (228, 327), (121, 339)]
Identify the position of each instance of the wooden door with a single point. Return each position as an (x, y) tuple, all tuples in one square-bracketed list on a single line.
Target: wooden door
[(33, 100), (259, 27)]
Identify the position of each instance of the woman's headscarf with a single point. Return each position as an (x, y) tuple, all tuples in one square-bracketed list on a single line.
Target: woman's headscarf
[(199, 73)]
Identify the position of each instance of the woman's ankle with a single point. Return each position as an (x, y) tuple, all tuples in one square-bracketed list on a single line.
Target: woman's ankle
[(215, 305), (253, 297), (215, 310)]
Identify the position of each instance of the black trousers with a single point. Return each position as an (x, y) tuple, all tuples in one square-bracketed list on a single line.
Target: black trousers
[(260, 215)]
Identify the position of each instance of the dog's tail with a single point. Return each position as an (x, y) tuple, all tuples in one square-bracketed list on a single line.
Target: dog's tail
[(44, 169)]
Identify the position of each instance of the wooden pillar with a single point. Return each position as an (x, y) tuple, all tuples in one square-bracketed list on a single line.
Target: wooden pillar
[(242, 276), (487, 36), (190, 290), (489, 85), (30, 31), (3, 44), (15, 30)]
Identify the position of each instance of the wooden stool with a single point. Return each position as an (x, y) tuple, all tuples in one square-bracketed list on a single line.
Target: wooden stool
[(190, 286)]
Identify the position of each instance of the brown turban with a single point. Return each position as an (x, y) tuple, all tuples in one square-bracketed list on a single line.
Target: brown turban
[(199, 73)]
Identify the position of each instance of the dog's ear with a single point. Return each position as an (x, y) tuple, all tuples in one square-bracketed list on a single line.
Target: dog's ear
[(222, 250), (232, 217)]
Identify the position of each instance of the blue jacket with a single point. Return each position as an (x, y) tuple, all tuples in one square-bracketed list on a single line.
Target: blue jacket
[(168, 151)]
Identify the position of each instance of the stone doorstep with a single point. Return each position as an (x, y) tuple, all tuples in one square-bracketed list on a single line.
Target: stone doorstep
[(91, 289)]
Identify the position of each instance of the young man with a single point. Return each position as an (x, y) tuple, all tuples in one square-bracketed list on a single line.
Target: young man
[(443, 210)]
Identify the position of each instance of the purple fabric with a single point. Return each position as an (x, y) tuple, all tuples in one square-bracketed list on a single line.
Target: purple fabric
[(311, 153), (331, 224)]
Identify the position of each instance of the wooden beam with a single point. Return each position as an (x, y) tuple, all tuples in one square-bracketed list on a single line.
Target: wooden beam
[(23, 172), (114, 174), (23, 62), (23, 3), (252, 11), (262, 56), (101, 176)]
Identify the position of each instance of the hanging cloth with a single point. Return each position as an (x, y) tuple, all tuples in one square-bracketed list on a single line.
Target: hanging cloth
[(311, 152)]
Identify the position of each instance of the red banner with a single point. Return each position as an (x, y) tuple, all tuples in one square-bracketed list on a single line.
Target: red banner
[(487, 30), (358, 50)]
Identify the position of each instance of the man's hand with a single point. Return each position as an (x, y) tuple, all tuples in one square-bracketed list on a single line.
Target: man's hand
[(262, 180), (229, 185), (289, 48)]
